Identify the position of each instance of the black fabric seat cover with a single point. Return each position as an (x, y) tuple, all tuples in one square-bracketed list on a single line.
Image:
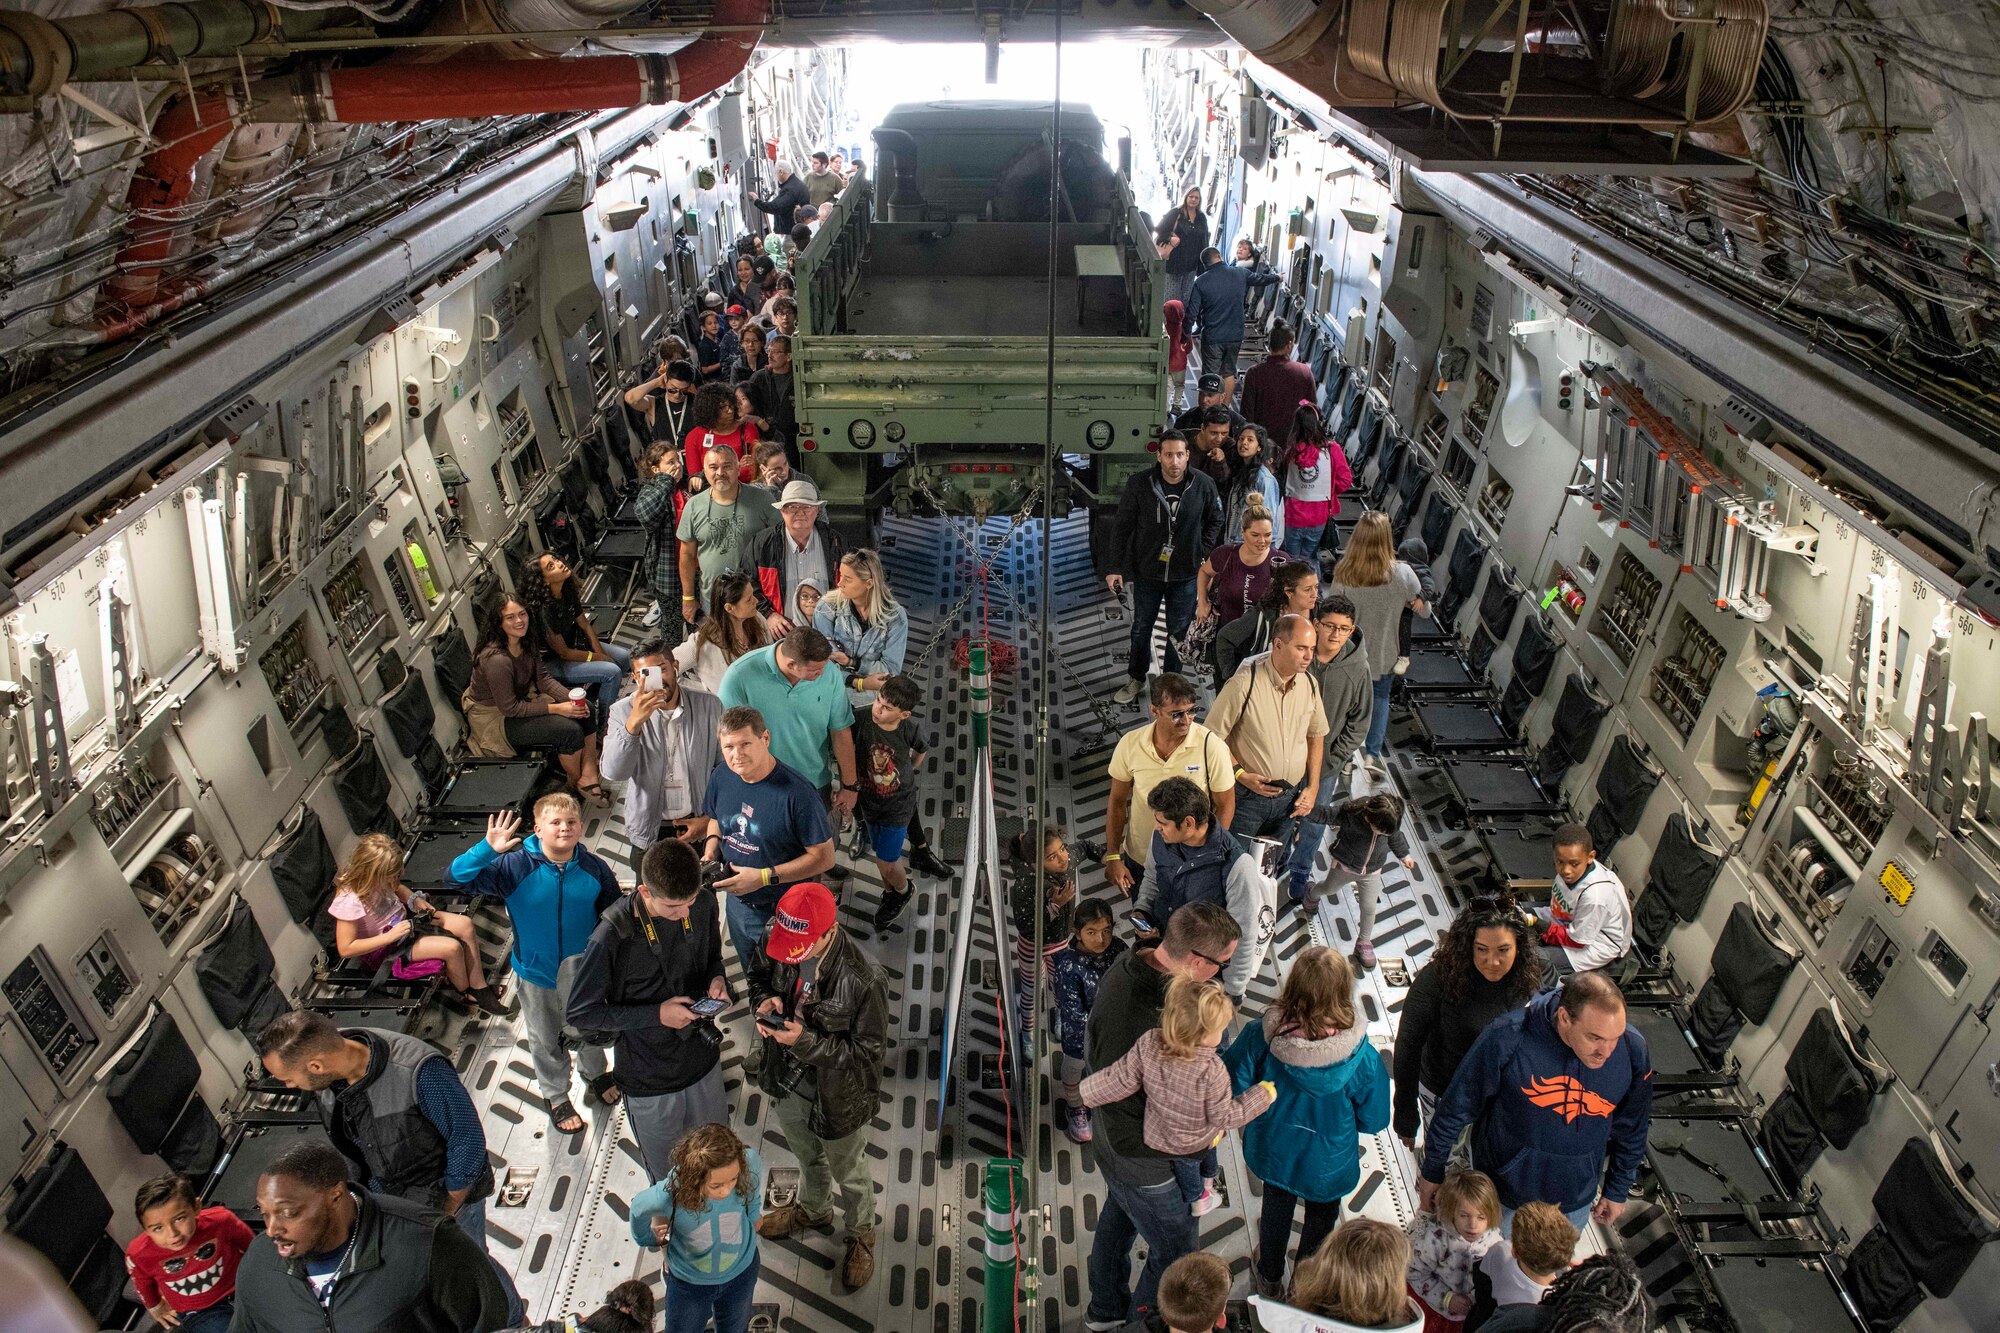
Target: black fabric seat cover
[(1499, 604), (194, 1142), (61, 1211), (1468, 554), (1368, 436), (151, 1086), (238, 975), (1388, 470), (1479, 652), (1625, 784), (337, 728), (1415, 476), (1653, 920), (1534, 660), (1352, 396), (1578, 716), (1749, 965), (1931, 1222), (411, 718), (1713, 1021), (1883, 1287), (1682, 869), (1707, 1161), (1434, 671), (1790, 1139), (303, 869), (1835, 1090), (1778, 1295), (1439, 514), (451, 663), (361, 785)]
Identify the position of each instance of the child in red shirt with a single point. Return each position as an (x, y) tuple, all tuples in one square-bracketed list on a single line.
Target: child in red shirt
[(184, 1258)]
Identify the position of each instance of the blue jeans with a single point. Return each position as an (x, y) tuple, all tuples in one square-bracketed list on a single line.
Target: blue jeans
[(1378, 724), (1148, 595), (690, 1304), (1264, 816), (1311, 835), (215, 1319), (1303, 543), (747, 929), (1135, 1206), (1193, 1173), (602, 678)]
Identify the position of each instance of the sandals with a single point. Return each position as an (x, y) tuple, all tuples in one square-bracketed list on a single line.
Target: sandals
[(594, 793), (561, 1112), (605, 1088)]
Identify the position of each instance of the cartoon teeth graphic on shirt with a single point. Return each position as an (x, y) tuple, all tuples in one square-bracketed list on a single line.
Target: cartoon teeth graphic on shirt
[(199, 1282)]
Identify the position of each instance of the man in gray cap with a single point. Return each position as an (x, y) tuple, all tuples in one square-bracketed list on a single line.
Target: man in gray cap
[(1210, 388), (802, 550)]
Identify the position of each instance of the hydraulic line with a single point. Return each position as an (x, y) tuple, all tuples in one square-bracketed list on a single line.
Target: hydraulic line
[(40, 55)]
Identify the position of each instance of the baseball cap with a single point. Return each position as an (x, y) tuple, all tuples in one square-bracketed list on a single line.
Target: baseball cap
[(805, 913), (798, 491), (711, 300), (739, 310), (1209, 384)]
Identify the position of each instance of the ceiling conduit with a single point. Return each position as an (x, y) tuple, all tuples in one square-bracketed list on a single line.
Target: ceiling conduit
[(173, 177), (1669, 64)]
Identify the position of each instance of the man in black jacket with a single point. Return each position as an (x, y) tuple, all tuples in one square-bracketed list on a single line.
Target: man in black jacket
[(1168, 520), (650, 960), (772, 404), (1140, 1196), (333, 1257), (785, 202), (826, 1010)]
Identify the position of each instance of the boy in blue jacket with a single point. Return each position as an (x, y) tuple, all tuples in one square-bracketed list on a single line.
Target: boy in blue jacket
[(1558, 1095), (555, 889)]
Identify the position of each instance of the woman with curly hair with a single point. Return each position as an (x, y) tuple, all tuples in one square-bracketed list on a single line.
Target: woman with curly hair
[(704, 1212), (715, 416), (1486, 965)]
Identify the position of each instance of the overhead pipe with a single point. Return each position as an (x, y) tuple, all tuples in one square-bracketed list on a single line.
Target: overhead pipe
[(170, 180), (39, 55)]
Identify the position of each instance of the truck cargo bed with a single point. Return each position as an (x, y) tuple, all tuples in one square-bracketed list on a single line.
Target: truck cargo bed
[(895, 304)]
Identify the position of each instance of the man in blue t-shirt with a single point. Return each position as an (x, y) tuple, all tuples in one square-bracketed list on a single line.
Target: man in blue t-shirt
[(767, 824)]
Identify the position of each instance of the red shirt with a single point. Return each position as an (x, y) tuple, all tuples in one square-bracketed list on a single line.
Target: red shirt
[(743, 439), (197, 1277)]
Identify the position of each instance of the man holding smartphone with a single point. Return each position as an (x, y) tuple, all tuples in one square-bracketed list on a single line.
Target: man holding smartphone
[(660, 740), (652, 976)]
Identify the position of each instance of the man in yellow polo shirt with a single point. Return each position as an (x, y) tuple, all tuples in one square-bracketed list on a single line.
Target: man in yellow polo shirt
[(1174, 746)]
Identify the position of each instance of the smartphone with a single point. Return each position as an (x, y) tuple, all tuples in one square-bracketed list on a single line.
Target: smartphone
[(707, 1007), (772, 1021), (1143, 923), (652, 678)]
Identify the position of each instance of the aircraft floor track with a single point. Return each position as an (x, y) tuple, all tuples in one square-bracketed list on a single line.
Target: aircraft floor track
[(567, 1242)]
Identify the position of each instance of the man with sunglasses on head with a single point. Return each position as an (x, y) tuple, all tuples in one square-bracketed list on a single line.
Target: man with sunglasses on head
[(1140, 1196), (1173, 746), (663, 400)]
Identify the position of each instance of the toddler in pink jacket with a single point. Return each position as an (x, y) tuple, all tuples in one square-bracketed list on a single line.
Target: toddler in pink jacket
[(1188, 1106)]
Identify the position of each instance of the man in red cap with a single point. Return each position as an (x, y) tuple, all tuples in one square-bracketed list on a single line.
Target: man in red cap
[(826, 1012)]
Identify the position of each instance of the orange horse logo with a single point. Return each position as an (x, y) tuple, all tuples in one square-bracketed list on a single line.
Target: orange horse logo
[(1566, 1097)]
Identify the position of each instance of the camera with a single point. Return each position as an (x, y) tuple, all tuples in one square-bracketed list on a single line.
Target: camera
[(706, 1032), (714, 872)]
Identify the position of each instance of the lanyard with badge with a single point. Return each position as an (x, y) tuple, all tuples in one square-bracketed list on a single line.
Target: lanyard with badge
[(1172, 504)]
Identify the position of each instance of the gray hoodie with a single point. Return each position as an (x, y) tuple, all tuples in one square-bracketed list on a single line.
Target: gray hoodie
[(1347, 692)]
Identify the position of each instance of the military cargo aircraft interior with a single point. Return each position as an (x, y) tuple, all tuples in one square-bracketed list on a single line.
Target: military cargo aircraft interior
[(999, 666)]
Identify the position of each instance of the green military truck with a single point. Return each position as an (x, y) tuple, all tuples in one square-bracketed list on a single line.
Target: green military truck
[(920, 365)]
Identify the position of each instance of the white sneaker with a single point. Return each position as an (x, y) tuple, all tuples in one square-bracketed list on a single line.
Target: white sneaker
[(1207, 1203), (1129, 692), (652, 616), (1402, 665)]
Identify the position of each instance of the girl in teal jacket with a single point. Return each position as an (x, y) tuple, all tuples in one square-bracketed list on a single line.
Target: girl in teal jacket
[(1332, 1089)]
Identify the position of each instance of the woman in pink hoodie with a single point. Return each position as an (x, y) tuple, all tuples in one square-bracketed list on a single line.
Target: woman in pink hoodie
[(1315, 476), (1179, 346)]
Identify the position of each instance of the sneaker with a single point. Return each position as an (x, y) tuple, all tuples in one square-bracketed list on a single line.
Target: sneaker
[(1076, 1124), (860, 1265), (1377, 766), (1270, 1288), (1207, 1203), (892, 907), (652, 617), (926, 862), (1364, 955), (1129, 692), (790, 1219), (1402, 666), (1104, 1325)]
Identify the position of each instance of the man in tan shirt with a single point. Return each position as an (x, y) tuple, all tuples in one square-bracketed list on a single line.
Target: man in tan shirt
[(1270, 715)]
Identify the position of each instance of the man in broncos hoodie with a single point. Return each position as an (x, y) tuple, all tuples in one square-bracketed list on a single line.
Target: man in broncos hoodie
[(555, 889), (1557, 1096), (1193, 860)]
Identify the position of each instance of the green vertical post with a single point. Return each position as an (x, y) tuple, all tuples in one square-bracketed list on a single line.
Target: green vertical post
[(982, 693), (1003, 1199)]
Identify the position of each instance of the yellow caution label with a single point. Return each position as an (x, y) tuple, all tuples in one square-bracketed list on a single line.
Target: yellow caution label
[(1897, 884)]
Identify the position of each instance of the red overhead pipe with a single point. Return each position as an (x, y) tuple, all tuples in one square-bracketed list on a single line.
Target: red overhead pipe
[(169, 179)]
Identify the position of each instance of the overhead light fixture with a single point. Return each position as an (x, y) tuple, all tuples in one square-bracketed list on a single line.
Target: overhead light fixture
[(1365, 223)]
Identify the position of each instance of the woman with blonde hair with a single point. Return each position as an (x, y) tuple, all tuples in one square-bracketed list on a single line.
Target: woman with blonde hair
[(1360, 1278), (1188, 1103), (1330, 1088), (868, 627), (375, 916), (1380, 586), (1236, 576), (704, 1213)]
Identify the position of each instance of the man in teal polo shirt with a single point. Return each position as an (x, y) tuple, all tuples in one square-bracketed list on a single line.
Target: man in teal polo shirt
[(805, 705)]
